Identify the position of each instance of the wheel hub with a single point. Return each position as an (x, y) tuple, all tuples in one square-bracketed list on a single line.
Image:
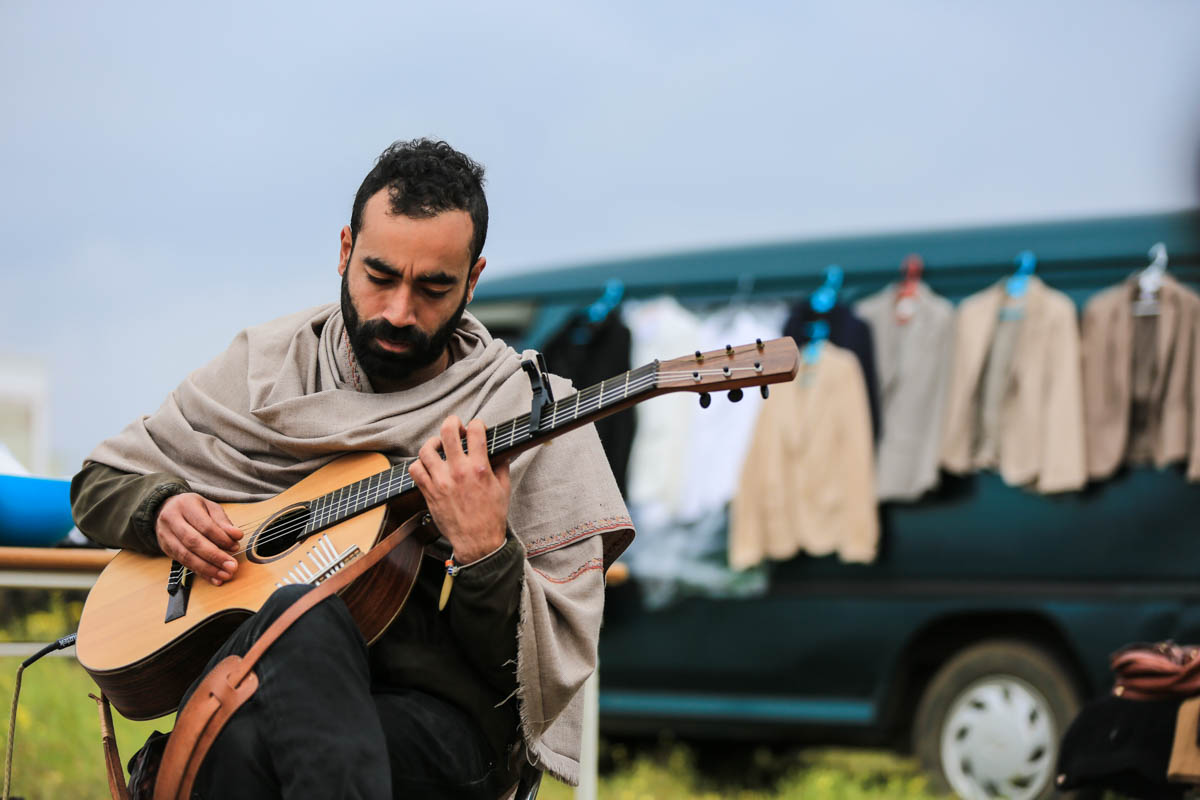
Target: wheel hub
[(999, 740)]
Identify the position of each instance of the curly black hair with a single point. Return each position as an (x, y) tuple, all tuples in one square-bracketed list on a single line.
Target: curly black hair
[(423, 179)]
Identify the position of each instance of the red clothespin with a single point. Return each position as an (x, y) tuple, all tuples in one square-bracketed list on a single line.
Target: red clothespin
[(906, 304)]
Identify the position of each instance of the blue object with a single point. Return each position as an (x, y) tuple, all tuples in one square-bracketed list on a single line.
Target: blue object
[(825, 298), (818, 332), (614, 290), (1026, 263), (34, 511)]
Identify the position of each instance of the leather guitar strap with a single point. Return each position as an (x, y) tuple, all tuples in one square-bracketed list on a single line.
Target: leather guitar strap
[(112, 758), (232, 681)]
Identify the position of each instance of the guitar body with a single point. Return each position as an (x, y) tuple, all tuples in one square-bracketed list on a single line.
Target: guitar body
[(145, 664)]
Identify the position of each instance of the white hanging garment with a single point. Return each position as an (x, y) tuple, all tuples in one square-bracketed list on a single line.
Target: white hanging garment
[(721, 432), (660, 328)]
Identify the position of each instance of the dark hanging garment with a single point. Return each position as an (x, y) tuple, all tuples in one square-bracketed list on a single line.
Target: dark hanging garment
[(1120, 745), (587, 353), (848, 331)]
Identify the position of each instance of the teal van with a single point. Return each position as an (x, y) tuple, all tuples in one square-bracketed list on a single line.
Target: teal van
[(990, 613)]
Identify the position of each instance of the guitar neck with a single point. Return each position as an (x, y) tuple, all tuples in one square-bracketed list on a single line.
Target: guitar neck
[(503, 441), (732, 368)]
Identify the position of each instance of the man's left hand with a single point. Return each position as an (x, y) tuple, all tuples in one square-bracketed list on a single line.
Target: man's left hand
[(466, 496)]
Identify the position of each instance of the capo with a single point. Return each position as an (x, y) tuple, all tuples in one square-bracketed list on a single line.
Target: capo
[(539, 381)]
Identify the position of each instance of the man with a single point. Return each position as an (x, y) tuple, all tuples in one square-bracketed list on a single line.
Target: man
[(446, 703)]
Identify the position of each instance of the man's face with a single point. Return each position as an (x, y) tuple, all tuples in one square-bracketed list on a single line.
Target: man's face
[(405, 283)]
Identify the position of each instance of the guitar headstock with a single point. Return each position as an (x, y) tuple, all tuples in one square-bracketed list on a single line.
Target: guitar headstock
[(754, 364)]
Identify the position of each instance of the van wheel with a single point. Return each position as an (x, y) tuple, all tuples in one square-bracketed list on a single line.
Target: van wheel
[(990, 722)]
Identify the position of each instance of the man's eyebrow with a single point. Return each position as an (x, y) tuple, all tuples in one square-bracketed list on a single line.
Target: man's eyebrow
[(438, 279), (379, 265), (433, 278)]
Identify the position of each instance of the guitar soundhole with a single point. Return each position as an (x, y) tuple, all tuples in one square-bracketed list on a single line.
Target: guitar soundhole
[(280, 533)]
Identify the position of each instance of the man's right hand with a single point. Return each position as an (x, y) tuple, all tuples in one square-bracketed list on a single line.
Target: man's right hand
[(197, 533)]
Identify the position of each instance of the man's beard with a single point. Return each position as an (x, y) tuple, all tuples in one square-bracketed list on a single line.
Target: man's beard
[(382, 366)]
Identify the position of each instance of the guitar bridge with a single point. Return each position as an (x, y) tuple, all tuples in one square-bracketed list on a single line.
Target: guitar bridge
[(325, 562), (179, 586)]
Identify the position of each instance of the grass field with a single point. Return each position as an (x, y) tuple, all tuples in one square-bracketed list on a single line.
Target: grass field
[(57, 752), (57, 755)]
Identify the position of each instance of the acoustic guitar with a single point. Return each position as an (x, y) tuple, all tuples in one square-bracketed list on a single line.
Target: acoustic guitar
[(148, 629)]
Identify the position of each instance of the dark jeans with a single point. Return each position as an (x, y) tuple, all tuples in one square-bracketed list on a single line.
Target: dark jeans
[(315, 729)]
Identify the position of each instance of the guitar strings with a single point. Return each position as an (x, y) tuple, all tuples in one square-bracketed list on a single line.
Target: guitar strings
[(590, 405), (405, 482), (636, 384)]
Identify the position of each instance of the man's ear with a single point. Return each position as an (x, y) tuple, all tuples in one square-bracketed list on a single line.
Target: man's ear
[(473, 278), (346, 248)]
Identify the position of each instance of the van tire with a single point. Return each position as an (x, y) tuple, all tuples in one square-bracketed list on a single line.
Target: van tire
[(996, 680)]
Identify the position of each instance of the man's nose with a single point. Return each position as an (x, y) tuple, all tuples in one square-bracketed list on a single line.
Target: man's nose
[(399, 311)]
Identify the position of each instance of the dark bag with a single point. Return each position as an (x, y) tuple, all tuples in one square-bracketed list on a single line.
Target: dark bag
[(143, 767)]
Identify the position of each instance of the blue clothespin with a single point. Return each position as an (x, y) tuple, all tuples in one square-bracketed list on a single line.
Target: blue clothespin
[(1026, 262), (614, 290), (825, 297), (818, 332)]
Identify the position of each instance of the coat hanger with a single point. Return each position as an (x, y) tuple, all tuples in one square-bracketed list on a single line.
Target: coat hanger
[(614, 291), (745, 288), (825, 298), (906, 294), (742, 293), (818, 332), (822, 301), (596, 312), (1017, 286), (1149, 281)]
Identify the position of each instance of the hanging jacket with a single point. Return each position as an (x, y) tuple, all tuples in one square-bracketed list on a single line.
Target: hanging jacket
[(846, 331), (587, 353), (1172, 422), (913, 363), (808, 482), (1038, 438)]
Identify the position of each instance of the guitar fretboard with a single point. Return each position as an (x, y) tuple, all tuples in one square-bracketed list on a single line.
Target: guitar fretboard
[(591, 403)]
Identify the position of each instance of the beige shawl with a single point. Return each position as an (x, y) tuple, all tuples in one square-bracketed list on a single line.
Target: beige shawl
[(286, 398)]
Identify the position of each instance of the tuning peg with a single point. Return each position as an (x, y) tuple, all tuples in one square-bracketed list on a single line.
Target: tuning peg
[(765, 390), (705, 399), (735, 395)]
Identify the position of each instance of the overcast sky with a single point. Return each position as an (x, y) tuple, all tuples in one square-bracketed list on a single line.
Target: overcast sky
[(169, 176)]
